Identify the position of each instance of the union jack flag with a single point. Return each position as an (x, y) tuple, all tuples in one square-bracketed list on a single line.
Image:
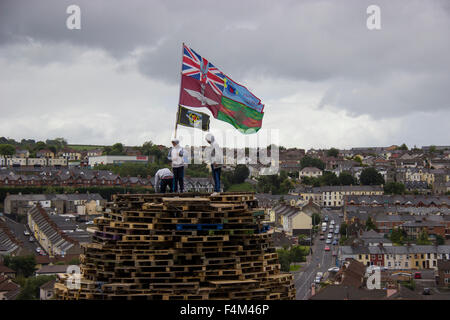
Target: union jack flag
[(197, 67)]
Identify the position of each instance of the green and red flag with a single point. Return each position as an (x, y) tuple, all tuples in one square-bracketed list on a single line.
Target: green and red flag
[(204, 85)]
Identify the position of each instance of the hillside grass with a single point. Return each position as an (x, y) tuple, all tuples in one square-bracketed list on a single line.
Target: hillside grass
[(245, 186)]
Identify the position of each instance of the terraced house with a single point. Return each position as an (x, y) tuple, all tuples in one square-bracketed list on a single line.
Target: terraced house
[(56, 234), (397, 257), (62, 203)]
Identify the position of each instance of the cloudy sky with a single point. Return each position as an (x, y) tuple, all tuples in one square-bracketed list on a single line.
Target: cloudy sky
[(324, 77)]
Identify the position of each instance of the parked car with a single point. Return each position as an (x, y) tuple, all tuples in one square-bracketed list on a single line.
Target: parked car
[(322, 238), (26, 233), (327, 248), (336, 231), (31, 239), (330, 235), (341, 215), (331, 227), (324, 229), (334, 242), (417, 275), (332, 222), (325, 218), (333, 269), (328, 241), (426, 291), (90, 222), (38, 249)]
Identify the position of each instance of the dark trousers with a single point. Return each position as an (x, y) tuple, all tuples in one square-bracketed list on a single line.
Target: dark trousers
[(178, 174), (166, 183), (216, 176)]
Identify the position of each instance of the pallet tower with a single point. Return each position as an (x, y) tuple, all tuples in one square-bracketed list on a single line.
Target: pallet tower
[(188, 246)]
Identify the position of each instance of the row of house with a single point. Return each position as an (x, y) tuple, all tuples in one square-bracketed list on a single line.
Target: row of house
[(397, 257), (334, 196), (398, 200), (56, 234), (83, 177), (71, 177), (81, 203), (9, 243)]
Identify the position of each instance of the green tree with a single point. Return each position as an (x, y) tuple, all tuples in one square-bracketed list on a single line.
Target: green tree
[(316, 219), (422, 239), (403, 147), (343, 230), (370, 176), (308, 161), (398, 236), (30, 287), (284, 258), (370, 225), (333, 152), (329, 179), (440, 240), (241, 173), (7, 149), (394, 188), (22, 265), (346, 179)]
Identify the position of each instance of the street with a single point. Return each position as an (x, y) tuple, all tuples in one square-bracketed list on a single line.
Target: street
[(17, 229), (320, 261)]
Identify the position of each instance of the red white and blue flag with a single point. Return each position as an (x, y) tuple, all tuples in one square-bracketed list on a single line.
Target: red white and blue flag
[(199, 68)]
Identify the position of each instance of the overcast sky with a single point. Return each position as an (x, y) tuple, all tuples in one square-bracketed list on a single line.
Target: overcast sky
[(326, 80)]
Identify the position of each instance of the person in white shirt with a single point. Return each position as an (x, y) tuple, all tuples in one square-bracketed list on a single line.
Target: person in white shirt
[(175, 155), (215, 158), (163, 179)]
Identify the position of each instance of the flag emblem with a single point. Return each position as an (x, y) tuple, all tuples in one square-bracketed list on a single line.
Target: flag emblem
[(201, 69)]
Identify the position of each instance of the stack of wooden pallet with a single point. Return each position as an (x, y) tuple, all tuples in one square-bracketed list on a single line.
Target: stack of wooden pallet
[(180, 246)]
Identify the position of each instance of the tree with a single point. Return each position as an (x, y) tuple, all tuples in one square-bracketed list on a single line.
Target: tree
[(398, 236), (30, 287), (370, 225), (7, 149), (394, 188), (316, 219), (346, 179), (308, 161), (333, 152), (370, 176), (440, 240), (329, 179), (432, 149), (241, 172), (22, 265), (403, 147), (343, 230), (422, 239)]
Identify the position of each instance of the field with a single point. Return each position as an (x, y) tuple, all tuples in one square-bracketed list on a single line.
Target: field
[(80, 147)]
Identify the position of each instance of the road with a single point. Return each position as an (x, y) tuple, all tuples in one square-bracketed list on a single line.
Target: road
[(17, 229), (321, 260)]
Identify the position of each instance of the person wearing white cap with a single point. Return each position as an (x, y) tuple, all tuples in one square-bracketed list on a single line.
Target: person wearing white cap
[(215, 157), (176, 157)]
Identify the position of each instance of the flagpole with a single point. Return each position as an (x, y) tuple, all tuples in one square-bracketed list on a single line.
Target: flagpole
[(179, 99)]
